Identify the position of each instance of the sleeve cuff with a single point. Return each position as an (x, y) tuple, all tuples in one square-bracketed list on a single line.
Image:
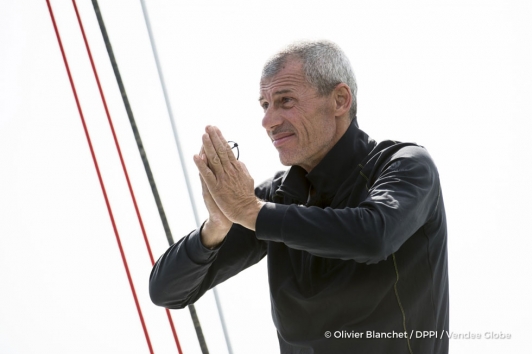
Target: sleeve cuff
[(196, 251), (269, 224)]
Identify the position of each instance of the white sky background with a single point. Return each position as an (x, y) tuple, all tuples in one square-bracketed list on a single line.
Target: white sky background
[(453, 76)]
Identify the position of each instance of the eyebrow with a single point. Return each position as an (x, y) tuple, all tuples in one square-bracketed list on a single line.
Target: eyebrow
[(280, 92)]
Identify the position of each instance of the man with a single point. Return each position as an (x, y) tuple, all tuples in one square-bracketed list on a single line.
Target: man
[(355, 231)]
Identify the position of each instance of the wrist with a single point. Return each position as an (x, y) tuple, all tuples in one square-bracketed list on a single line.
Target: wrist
[(212, 235), (251, 212)]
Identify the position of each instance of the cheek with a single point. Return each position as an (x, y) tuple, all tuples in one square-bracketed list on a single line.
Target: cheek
[(299, 119)]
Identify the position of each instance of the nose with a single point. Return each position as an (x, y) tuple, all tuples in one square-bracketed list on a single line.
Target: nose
[(271, 119)]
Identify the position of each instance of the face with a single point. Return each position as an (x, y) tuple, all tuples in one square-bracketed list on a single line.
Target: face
[(300, 122)]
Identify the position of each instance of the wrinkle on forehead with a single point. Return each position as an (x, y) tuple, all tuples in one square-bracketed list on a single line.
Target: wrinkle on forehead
[(282, 80), (290, 77)]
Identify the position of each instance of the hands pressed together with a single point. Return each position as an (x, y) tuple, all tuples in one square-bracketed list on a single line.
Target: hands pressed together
[(228, 189)]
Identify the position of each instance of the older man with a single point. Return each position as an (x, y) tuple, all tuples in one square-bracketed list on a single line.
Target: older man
[(355, 231)]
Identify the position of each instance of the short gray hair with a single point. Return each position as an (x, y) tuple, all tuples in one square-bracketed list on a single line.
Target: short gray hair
[(325, 66)]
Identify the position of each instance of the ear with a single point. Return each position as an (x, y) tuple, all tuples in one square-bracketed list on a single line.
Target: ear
[(343, 98)]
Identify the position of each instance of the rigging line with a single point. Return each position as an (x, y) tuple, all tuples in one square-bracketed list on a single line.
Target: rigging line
[(124, 261), (136, 133), (192, 310), (182, 160), (124, 169)]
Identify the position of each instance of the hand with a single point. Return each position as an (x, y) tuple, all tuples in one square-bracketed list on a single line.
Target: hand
[(217, 225), (228, 180)]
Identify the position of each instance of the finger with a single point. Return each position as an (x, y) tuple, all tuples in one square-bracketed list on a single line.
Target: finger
[(203, 156), (207, 197), (206, 174), (210, 204), (204, 188), (212, 158), (232, 158), (221, 145)]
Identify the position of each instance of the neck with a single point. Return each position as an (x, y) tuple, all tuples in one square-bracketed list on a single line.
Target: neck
[(342, 124)]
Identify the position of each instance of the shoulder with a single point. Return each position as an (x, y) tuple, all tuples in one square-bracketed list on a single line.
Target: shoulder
[(411, 155), (410, 162), (401, 161)]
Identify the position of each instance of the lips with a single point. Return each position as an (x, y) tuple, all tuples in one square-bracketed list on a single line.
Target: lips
[(281, 138)]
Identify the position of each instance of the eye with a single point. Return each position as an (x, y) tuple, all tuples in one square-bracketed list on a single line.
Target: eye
[(265, 105), (286, 100)]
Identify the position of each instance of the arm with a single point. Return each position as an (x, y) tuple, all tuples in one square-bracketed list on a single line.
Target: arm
[(400, 201), (402, 198), (205, 257), (188, 269)]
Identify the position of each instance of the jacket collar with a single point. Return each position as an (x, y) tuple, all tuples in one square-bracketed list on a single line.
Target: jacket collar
[(330, 172)]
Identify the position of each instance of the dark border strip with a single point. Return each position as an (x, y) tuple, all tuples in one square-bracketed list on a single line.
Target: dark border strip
[(192, 309), (97, 168)]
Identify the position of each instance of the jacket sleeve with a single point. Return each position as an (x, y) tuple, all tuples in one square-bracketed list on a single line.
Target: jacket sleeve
[(188, 269), (400, 201)]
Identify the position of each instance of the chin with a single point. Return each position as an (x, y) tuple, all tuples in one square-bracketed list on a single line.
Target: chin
[(284, 161), (288, 160)]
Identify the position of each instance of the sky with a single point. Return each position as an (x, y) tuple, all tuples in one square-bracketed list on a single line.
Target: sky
[(453, 76)]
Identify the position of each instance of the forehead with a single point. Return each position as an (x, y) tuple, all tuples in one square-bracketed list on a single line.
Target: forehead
[(290, 77)]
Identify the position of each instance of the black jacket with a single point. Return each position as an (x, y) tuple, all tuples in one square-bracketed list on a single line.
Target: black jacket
[(363, 260)]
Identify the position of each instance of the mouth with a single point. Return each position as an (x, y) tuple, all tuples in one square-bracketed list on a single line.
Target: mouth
[(282, 138)]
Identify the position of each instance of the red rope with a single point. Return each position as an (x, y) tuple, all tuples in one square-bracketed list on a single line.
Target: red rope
[(123, 164), (100, 179)]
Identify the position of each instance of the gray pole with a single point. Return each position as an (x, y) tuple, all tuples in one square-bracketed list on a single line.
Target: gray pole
[(183, 165)]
